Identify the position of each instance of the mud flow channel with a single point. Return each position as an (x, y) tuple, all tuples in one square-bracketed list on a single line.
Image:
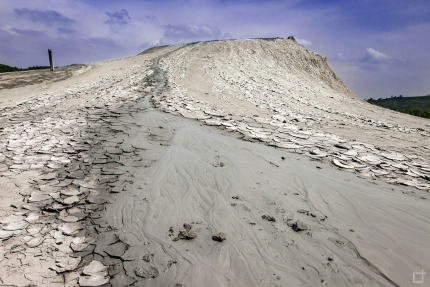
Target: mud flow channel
[(288, 221)]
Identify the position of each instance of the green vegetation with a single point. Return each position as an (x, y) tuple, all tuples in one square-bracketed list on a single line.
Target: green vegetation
[(6, 68), (417, 106), (39, 67), (418, 112)]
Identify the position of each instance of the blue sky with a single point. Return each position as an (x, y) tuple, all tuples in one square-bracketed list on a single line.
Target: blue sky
[(378, 48)]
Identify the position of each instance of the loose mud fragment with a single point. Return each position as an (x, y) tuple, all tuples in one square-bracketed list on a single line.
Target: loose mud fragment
[(268, 218), (186, 233), (220, 237), (299, 226)]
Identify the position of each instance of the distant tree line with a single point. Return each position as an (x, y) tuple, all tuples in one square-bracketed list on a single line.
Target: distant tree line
[(6, 68), (416, 106), (417, 112), (380, 99)]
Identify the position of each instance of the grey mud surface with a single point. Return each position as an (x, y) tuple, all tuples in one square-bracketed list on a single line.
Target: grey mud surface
[(355, 231), (138, 195)]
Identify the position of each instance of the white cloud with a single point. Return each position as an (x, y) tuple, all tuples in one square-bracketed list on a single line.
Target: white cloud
[(374, 57), (304, 42), (377, 55)]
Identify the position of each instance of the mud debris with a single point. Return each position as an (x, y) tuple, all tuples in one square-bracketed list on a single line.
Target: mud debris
[(268, 218), (299, 226), (220, 237)]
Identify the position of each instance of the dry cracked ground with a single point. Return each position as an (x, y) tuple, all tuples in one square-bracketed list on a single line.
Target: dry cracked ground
[(225, 163)]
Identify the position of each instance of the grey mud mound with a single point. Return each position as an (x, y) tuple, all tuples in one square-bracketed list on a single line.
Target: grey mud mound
[(151, 174)]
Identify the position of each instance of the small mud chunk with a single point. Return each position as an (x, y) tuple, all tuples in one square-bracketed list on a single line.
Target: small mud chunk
[(220, 237), (187, 226), (147, 272), (147, 257), (186, 233), (121, 279), (268, 218), (66, 264), (343, 146), (96, 280), (95, 268), (299, 226), (96, 275), (116, 249)]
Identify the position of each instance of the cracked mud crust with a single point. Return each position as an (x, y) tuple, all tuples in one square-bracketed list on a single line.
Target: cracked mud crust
[(195, 165)]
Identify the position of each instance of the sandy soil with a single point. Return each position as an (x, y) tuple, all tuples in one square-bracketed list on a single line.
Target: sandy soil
[(108, 179)]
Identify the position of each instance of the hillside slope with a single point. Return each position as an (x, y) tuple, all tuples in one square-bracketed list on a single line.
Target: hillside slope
[(281, 79)]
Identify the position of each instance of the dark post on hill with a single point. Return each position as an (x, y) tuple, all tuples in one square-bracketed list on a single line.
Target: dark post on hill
[(51, 62)]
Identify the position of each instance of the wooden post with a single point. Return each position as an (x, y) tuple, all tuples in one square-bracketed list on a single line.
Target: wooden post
[(51, 62)]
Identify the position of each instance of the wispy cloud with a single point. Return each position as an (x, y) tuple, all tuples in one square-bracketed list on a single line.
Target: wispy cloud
[(374, 57), (49, 17), (304, 42), (120, 17)]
